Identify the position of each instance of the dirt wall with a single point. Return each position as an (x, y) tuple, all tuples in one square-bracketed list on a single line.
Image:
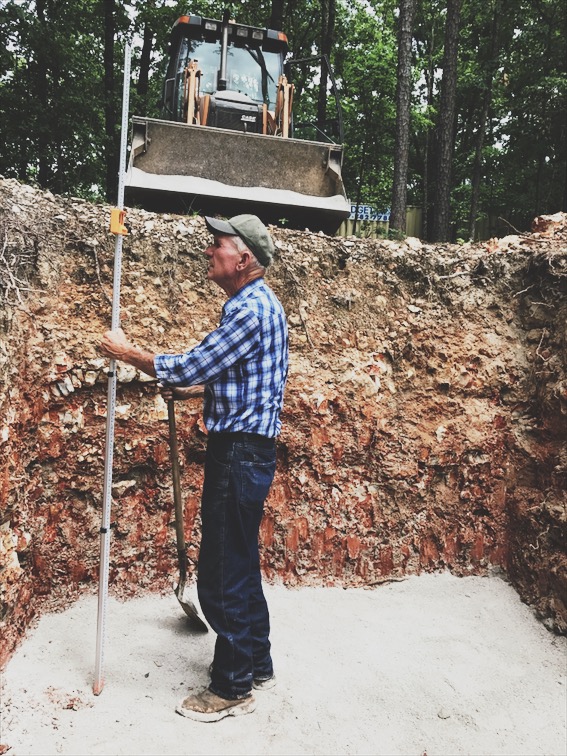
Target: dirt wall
[(424, 422)]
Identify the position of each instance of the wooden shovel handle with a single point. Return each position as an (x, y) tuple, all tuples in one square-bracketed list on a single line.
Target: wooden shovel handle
[(174, 454)]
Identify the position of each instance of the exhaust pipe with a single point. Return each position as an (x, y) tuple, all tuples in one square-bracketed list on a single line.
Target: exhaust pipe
[(222, 82)]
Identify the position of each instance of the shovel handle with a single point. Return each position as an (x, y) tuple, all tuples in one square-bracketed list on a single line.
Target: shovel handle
[(174, 454)]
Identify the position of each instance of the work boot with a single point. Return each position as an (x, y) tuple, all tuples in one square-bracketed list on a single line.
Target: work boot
[(264, 684), (258, 684), (206, 706)]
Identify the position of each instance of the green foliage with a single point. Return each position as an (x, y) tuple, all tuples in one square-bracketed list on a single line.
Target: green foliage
[(395, 235), (52, 133), (511, 68), (524, 152), (532, 123), (365, 66)]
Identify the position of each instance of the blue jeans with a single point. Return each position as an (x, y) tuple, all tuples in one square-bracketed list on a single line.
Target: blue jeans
[(239, 469)]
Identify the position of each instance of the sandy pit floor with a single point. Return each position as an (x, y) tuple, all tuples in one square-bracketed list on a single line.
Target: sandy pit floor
[(430, 665)]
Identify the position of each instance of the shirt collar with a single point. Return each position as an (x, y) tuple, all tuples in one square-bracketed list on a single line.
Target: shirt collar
[(242, 294)]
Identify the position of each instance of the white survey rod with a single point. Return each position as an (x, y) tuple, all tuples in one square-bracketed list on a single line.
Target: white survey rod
[(111, 400)]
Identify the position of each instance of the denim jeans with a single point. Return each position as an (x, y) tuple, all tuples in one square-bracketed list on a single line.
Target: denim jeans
[(239, 469)]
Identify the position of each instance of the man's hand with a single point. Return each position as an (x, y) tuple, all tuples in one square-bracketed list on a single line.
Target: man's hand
[(181, 392), (114, 344)]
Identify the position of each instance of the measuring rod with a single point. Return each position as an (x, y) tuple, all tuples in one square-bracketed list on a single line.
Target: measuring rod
[(117, 227)]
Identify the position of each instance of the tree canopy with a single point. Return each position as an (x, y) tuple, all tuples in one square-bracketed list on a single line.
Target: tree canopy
[(499, 151)]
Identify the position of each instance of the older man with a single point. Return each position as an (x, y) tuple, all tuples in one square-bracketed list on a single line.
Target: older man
[(243, 368)]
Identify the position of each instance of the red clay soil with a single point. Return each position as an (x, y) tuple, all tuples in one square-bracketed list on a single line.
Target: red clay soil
[(424, 424)]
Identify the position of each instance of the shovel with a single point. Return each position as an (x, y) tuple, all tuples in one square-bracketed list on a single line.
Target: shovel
[(186, 604)]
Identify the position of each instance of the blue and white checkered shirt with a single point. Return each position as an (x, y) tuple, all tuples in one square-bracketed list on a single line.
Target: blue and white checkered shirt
[(243, 364)]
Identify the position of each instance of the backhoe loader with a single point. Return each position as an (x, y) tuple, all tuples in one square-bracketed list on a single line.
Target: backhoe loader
[(227, 142)]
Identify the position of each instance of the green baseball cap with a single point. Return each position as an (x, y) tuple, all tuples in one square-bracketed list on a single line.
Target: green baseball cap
[(252, 232)]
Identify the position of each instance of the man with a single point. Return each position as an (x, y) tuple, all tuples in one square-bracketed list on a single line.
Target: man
[(243, 367)]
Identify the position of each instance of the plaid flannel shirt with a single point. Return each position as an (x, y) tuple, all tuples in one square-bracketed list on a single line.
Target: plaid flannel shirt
[(243, 364)]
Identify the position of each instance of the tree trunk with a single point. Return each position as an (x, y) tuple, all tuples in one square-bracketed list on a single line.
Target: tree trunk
[(477, 166), (403, 102), (487, 99), (446, 124), (44, 172), (111, 151), (328, 12), (145, 60), (276, 17), (428, 151), (359, 186)]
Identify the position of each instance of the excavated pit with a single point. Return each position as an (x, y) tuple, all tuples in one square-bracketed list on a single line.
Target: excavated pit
[(423, 430)]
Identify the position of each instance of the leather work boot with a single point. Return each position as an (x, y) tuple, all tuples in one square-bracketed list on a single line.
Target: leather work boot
[(206, 706)]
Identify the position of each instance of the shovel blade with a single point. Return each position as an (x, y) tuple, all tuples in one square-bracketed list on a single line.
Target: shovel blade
[(189, 608)]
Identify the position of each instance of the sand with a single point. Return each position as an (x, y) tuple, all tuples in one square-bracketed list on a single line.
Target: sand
[(431, 665)]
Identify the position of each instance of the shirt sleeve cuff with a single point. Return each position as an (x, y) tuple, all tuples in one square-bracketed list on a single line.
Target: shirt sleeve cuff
[(164, 365)]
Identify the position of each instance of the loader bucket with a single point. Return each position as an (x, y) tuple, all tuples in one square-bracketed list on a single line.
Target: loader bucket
[(177, 167)]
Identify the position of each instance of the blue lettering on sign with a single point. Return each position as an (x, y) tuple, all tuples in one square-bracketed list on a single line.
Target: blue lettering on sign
[(368, 213)]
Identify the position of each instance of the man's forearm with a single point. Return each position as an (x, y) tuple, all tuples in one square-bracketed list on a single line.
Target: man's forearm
[(139, 359), (115, 345), (188, 392)]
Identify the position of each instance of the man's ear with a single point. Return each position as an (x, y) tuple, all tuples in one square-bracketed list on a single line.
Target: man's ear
[(244, 261)]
